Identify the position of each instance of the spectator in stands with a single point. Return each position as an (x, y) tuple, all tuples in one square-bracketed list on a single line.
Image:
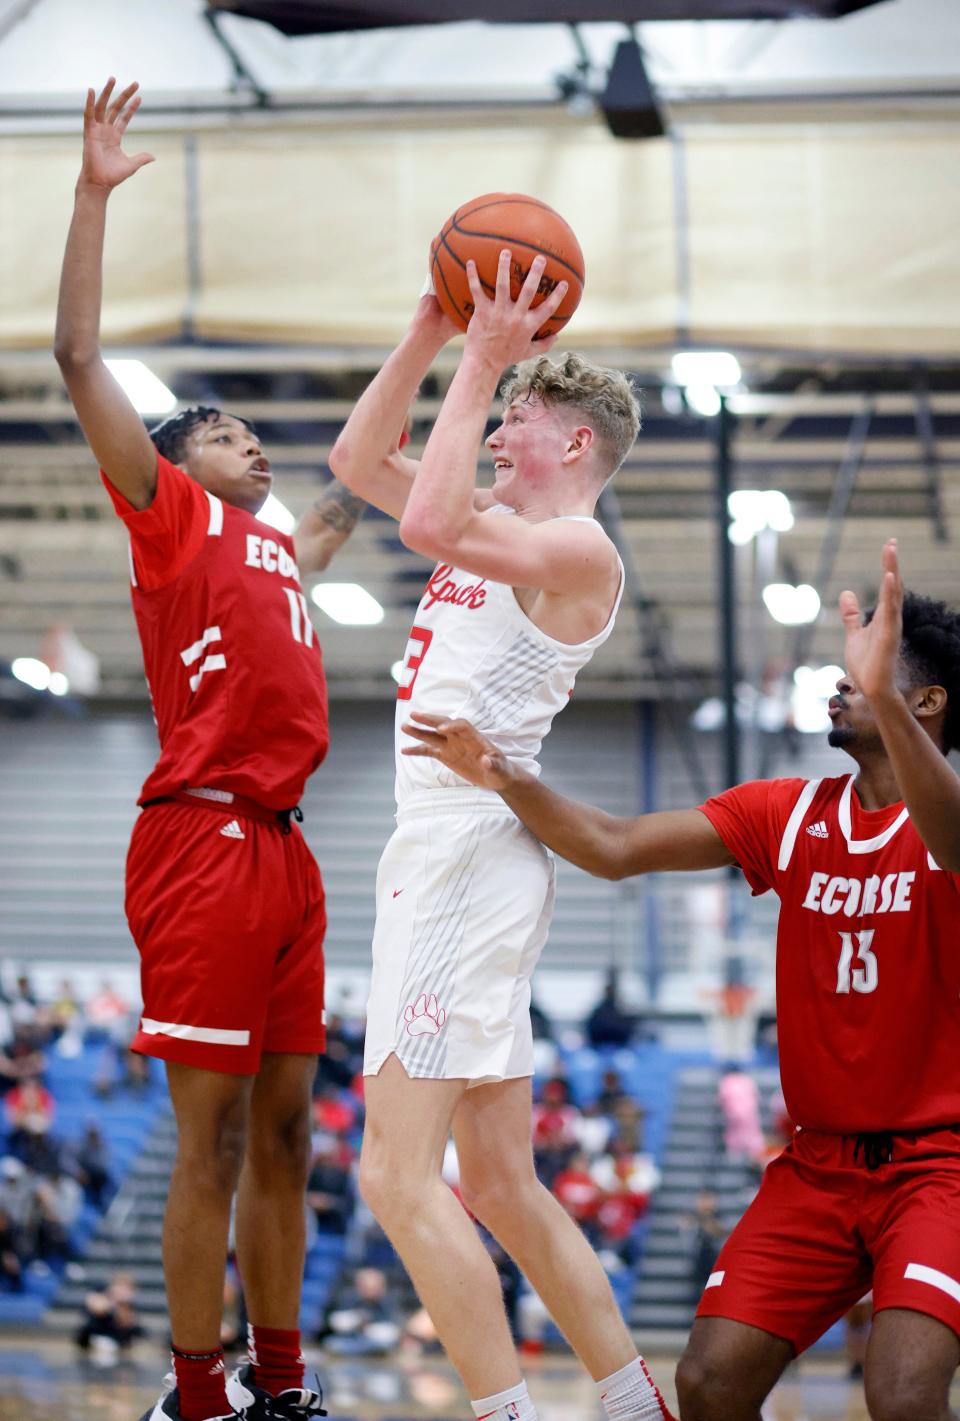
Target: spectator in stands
[(22, 1002), (11, 1262), (364, 1320), (610, 1024), (740, 1102), (105, 1012), (110, 1323), (20, 1059), (627, 1180), (709, 1235), (579, 1193), (16, 1194), (612, 1094), (65, 1009), (58, 1200), (29, 1110), (554, 1124), (342, 1058), (329, 1187), (333, 1112), (88, 1160), (593, 1130), (628, 1118)]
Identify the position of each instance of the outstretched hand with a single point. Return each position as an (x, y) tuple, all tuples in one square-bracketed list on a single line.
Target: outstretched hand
[(462, 749), (872, 650), (504, 331), (105, 120)]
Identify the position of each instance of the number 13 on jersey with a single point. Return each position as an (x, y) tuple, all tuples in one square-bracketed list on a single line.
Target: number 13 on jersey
[(417, 647)]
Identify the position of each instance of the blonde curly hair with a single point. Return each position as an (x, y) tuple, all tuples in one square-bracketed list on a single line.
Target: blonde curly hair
[(605, 397)]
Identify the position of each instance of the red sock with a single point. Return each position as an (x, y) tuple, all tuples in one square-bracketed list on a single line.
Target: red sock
[(201, 1382), (276, 1358)]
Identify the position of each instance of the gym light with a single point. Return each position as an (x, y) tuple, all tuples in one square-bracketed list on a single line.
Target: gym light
[(348, 603), (753, 509), (692, 368), (277, 515), (146, 391), (791, 606), (396, 670), (59, 685), (818, 680), (32, 672)]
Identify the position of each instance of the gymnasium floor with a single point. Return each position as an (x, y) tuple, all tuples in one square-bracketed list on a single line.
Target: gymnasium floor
[(42, 1380)]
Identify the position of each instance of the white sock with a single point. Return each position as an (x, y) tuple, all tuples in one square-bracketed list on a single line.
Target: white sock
[(632, 1395), (514, 1404)]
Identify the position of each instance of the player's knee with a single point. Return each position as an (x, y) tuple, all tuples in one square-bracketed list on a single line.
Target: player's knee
[(281, 1148), (214, 1159), (907, 1392), (390, 1193), (705, 1391), (497, 1197)]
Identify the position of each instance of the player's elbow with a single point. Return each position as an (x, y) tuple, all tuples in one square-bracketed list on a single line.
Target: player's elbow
[(341, 462), (74, 356), (424, 534)]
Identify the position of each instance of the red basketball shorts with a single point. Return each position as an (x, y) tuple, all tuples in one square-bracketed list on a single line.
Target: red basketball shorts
[(228, 915), (824, 1227)]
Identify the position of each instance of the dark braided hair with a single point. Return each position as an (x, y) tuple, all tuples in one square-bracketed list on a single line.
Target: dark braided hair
[(930, 650), (171, 436)]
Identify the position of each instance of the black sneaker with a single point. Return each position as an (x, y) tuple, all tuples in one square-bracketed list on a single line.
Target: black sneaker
[(255, 1404), (168, 1407)]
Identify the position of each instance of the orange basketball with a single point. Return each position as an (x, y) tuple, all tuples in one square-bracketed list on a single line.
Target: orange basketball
[(480, 229)]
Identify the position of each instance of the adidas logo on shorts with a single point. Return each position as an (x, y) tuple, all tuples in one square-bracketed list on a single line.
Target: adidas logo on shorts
[(232, 830), (818, 830)]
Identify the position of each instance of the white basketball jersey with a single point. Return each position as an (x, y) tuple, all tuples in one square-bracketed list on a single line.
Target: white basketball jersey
[(474, 653)]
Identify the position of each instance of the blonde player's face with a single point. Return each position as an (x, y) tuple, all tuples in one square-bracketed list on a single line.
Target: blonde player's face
[(527, 448), (226, 459)]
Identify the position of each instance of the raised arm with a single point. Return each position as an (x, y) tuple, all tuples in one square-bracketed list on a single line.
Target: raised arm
[(326, 526), (114, 430), (927, 782), (442, 515), (603, 844), (366, 456)]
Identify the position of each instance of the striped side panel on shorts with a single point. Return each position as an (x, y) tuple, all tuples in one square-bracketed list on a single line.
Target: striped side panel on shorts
[(433, 962)]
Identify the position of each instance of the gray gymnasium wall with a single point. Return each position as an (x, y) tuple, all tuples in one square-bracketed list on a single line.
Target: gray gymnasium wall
[(68, 790)]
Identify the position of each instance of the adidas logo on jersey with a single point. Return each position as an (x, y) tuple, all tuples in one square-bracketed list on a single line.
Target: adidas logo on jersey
[(232, 830), (818, 830)]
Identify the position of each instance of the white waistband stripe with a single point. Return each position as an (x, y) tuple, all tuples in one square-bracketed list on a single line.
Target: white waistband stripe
[(920, 1273), (208, 1035), (716, 1279)]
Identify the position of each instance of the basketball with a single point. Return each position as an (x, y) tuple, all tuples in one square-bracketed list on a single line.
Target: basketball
[(480, 229)]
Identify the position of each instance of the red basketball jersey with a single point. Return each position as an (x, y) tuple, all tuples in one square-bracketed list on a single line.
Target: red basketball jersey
[(231, 656), (868, 954)]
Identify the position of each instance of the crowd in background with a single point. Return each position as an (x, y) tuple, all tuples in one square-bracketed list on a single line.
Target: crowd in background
[(589, 1152), (46, 1175)]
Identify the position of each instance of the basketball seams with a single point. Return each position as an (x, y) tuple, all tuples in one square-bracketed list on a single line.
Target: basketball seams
[(451, 266), (512, 242)]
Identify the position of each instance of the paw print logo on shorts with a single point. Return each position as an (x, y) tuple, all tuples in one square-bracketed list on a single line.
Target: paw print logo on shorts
[(425, 1017)]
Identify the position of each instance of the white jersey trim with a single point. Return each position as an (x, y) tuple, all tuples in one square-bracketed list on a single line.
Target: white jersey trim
[(865, 846), (215, 526), (920, 1273), (795, 823), (133, 570)]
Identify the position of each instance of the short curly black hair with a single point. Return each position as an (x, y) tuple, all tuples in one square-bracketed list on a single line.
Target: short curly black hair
[(171, 436), (930, 650)]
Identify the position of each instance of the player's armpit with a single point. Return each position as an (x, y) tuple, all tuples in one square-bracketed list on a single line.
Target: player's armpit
[(557, 556), (674, 840)]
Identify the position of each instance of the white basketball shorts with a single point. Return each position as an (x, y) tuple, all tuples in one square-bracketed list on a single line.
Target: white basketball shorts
[(464, 901)]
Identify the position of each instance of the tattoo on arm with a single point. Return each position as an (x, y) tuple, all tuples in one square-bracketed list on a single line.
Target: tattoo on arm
[(339, 508)]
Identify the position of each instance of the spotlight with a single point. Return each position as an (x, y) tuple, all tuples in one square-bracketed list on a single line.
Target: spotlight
[(629, 103)]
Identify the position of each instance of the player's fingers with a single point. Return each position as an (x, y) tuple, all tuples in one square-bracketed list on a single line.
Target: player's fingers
[(425, 718), (89, 107), (100, 107), (141, 161), (128, 113), (116, 108), (420, 750), (547, 342), (475, 284), (554, 301), (426, 737), (503, 275), (849, 609), (531, 285)]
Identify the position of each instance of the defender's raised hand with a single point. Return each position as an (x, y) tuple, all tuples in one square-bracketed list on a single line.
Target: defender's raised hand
[(105, 119), (503, 330), (462, 749), (871, 651)]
